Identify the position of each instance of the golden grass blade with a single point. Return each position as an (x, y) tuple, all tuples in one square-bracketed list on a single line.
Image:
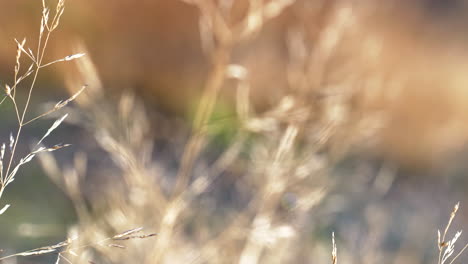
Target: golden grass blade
[(53, 127)]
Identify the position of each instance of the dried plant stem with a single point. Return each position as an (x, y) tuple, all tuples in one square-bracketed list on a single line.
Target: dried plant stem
[(270, 196), (459, 253), (38, 117), (441, 242), (67, 245), (334, 250), (446, 248), (20, 124), (204, 112), (11, 92), (192, 150)]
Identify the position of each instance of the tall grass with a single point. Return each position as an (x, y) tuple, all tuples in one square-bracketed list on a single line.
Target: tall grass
[(36, 62), (9, 163), (447, 248), (279, 164)]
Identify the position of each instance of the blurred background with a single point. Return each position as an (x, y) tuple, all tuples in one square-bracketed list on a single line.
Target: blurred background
[(355, 109)]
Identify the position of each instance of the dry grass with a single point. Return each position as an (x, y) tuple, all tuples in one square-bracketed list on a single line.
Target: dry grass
[(71, 247), (446, 248), (36, 63), (334, 250), (279, 163), (12, 165)]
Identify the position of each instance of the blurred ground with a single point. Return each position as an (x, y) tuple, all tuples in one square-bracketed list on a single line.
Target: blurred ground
[(153, 48)]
